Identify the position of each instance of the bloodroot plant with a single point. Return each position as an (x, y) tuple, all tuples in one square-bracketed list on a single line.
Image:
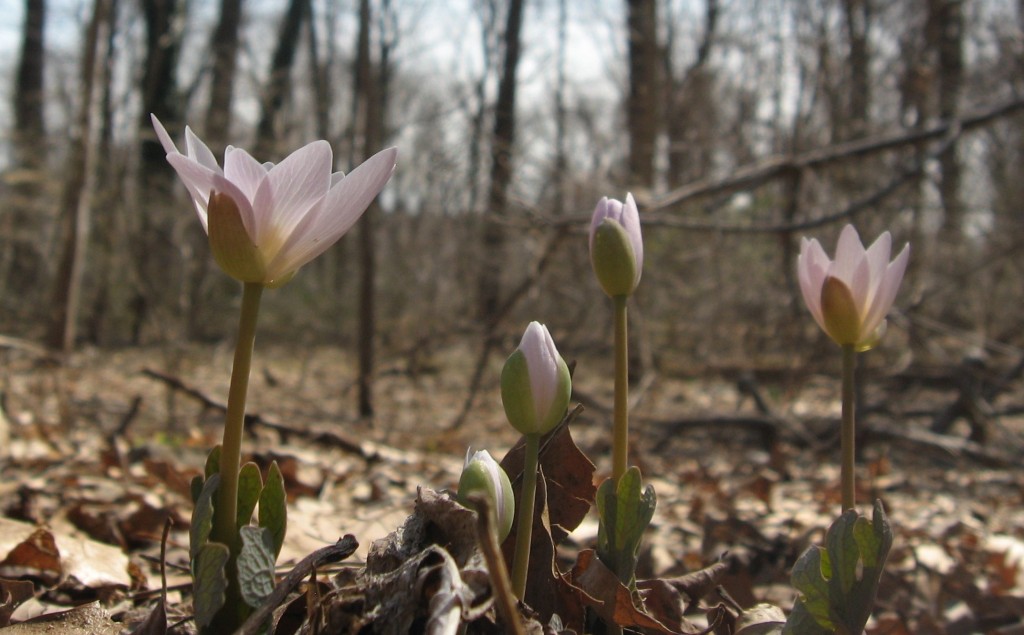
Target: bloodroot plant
[(264, 222), (849, 298)]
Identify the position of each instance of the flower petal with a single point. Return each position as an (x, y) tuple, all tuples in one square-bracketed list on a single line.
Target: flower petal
[(339, 210), (541, 360), (812, 267), (887, 289), (631, 223), (849, 253), (291, 189), (198, 180), (244, 171), (860, 286), (198, 151), (161, 134), (878, 260), (601, 212)]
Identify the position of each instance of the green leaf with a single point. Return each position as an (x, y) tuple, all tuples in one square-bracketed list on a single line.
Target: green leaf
[(196, 487), (838, 584), (250, 484), (812, 582), (624, 512), (213, 462), (202, 518), (210, 581), (801, 622), (273, 513), (256, 565)]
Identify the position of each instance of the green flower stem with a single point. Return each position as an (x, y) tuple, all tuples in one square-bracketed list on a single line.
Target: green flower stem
[(620, 425), (847, 434), (224, 530), (524, 530)]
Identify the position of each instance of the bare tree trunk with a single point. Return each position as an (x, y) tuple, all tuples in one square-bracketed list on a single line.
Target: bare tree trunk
[(319, 73), (643, 106), (29, 125), (225, 53), (160, 96), (364, 103), (76, 202), (561, 153), (690, 109), (947, 21), (857, 14), (20, 263), (502, 142), (277, 82)]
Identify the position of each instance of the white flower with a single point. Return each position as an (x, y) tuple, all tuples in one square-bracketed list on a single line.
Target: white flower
[(850, 296), (265, 220)]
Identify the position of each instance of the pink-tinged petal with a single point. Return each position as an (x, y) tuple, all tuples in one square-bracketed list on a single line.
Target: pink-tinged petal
[(292, 188), (542, 363), (198, 180), (339, 210), (337, 177), (631, 223), (878, 260), (161, 134), (811, 277), (887, 289), (198, 151), (601, 212), (849, 254), (818, 265), (244, 171), (860, 286)]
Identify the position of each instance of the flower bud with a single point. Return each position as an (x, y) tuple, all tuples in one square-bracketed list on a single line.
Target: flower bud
[(535, 383), (481, 474), (616, 246)]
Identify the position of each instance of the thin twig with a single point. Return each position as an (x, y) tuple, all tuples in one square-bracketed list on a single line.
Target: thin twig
[(501, 586)]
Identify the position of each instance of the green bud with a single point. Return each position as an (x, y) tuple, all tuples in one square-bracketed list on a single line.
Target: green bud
[(535, 383), (613, 259), (482, 475)]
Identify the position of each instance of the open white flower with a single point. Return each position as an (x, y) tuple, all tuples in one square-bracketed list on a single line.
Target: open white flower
[(265, 221), (850, 296)]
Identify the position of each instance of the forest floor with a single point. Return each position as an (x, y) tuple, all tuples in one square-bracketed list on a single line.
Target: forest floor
[(97, 452)]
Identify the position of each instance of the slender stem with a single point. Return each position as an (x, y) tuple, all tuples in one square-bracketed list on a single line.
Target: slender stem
[(224, 518), (620, 425), (847, 434), (224, 530), (524, 529)]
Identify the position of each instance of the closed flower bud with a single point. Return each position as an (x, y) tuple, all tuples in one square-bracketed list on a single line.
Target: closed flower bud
[(616, 246), (481, 474), (535, 383)]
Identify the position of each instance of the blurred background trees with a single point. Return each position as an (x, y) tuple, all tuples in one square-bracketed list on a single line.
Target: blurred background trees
[(740, 125)]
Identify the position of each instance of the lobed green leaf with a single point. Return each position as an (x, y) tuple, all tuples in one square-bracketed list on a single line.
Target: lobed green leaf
[(210, 582), (213, 462), (273, 513), (250, 485), (256, 565), (202, 518)]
